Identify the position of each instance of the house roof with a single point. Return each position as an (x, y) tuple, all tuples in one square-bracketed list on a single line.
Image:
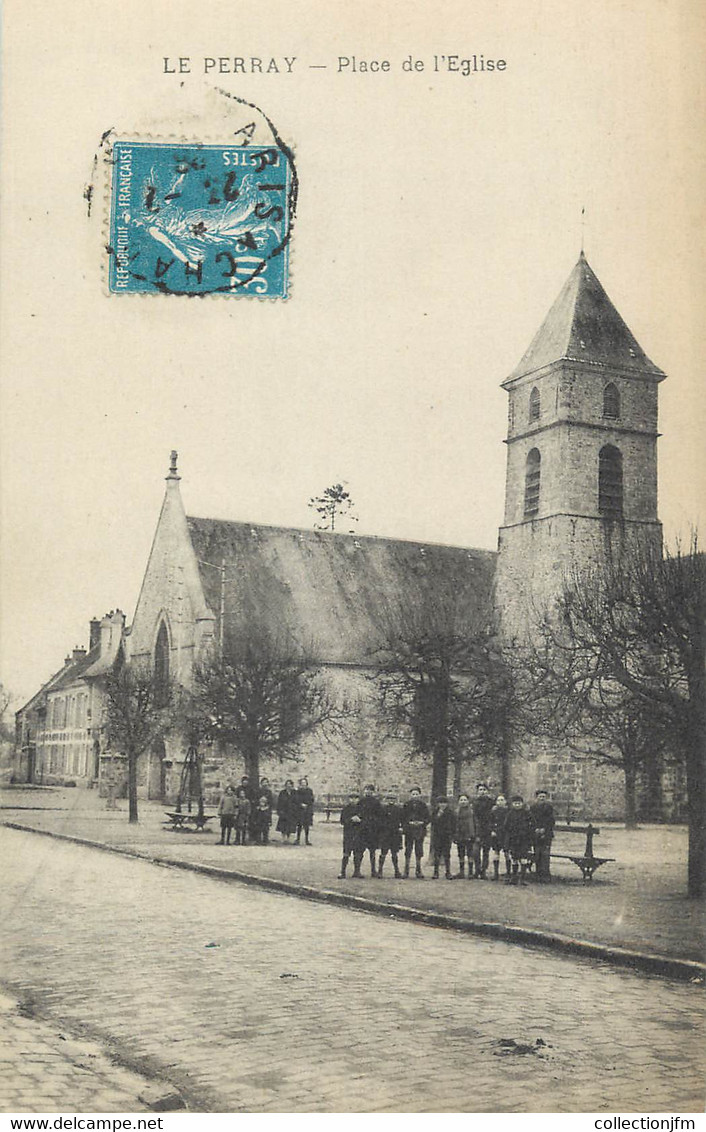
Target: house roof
[(330, 591), (584, 326)]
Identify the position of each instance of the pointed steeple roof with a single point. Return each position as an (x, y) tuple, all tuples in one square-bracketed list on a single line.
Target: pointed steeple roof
[(584, 326)]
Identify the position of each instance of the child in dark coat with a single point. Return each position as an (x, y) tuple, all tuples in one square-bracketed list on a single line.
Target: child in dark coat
[(350, 820), (482, 805), (390, 836), (443, 827), (415, 819), (464, 834), (370, 811), (518, 839), (542, 814), (260, 821), (242, 815), (498, 817), (305, 801)]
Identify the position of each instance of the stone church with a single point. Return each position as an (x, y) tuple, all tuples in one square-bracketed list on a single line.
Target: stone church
[(581, 468)]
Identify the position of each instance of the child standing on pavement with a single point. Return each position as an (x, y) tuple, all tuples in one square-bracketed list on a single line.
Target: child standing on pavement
[(464, 834), (443, 826), (498, 817), (260, 821), (242, 815), (415, 819), (482, 805), (390, 833), (518, 839), (226, 811), (350, 820), (542, 815)]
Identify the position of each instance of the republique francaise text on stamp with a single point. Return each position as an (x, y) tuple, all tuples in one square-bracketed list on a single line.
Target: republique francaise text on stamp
[(199, 219)]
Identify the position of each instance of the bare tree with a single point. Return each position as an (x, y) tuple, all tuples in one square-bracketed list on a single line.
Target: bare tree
[(626, 648), (262, 694), (442, 679), (138, 711), (334, 503)]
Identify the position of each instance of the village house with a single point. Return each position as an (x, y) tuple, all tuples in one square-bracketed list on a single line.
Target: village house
[(59, 730)]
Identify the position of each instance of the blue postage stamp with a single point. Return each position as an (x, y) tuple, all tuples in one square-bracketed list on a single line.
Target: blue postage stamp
[(192, 219)]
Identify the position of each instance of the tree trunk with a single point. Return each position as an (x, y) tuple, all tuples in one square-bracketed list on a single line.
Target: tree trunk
[(252, 768), (696, 808), (132, 786), (458, 767), (630, 795), (440, 772)]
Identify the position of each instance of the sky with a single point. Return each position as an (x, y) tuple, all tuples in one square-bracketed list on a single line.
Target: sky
[(439, 216)]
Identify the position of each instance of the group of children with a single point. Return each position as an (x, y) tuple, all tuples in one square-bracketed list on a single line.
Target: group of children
[(520, 834), (245, 811)]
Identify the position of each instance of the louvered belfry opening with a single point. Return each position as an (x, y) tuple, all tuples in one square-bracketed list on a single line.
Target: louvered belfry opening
[(532, 483), (610, 482), (534, 405), (611, 402)]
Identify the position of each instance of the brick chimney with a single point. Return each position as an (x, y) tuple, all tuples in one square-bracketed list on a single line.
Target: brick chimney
[(78, 653), (94, 632)]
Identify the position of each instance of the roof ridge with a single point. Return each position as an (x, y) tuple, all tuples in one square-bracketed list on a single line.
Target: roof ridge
[(336, 534)]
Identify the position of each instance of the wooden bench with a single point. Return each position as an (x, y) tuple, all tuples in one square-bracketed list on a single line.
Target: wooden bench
[(332, 804), (187, 823), (585, 861)]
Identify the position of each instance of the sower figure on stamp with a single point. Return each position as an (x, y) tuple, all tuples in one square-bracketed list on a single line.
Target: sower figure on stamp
[(542, 814), (390, 833), (482, 805), (305, 802), (350, 820), (498, 817), (443, 825), (464, 834), (518, 839), (370, 812), (415, 819), (226, 811)]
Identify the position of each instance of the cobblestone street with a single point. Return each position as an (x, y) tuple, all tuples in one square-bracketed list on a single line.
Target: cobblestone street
[(250, 1001)]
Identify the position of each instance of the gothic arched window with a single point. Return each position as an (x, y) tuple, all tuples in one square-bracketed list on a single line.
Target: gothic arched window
[(534, 405), (532, 477), (610, 481), (611, 401), (161, 664)]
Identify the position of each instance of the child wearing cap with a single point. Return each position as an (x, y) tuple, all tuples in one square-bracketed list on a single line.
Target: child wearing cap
[(350, 820), (542, 815), (518, 839), (465, 834), (443, 827), (415, 819), (482, 805), (498, 817)]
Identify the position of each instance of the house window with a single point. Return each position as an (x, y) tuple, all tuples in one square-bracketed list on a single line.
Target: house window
[(534, 406), (532, 478), (611, 402), (610, 482), (161, 665)]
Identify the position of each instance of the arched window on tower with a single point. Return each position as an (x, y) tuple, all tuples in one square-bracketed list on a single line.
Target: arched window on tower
[(161, 665), (611, 401), (532, 477), (610, 482), (534, 405)]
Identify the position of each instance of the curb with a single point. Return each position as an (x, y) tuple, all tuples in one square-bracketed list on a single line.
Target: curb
[(683, 970)]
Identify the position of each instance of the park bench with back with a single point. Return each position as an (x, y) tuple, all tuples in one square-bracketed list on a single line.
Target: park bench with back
[(587, 862)]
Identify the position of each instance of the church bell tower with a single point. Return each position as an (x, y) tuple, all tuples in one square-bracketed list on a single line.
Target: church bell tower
[(581, 448)]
